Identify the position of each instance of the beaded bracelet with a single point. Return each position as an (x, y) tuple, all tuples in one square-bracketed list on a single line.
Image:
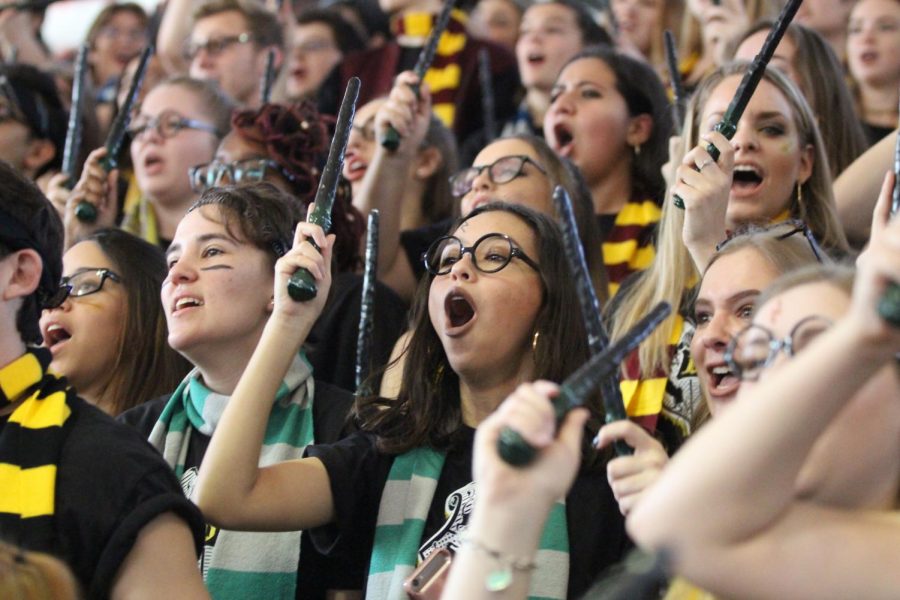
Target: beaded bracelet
[(500, 578)]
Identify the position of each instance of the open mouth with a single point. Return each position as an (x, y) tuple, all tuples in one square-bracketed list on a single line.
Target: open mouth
[(722, 380), (535, 58), (868, 57), (746, 178), (564, 138), (186, 303), (459, 310), (55, 334)]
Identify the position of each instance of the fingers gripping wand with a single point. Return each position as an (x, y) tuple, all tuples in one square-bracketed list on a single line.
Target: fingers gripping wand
[(367, 310), (73, 133), (678, 102), (598, 339), (513, 448), (85, 211), (889, 306), (265, 86), (302, 286), (487, 95), (728, 125), (391, 139)]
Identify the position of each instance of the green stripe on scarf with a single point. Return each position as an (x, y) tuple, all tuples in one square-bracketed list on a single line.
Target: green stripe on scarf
[(405, 501), (243, 564)]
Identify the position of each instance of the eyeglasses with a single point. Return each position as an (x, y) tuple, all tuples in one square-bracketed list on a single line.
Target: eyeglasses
[(82, 283), (167, 124), (490, 253), (782, 231), (217, 173), (754, 348), (502, 170), (215, 46)]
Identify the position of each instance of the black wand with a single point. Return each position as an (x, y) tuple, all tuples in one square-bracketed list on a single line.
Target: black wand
[(575, 390), (679, 98), (367, 307), (74, 131), (85, 211), (302, 286)]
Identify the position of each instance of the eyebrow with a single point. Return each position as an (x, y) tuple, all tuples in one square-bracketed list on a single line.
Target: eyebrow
[(202, 239), (733, 298), (84, 270)]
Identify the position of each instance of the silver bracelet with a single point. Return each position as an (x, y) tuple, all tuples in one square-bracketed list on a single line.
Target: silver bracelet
[(501, 577)]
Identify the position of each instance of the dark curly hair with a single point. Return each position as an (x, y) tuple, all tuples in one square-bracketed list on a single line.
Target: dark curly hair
[(297, 138)]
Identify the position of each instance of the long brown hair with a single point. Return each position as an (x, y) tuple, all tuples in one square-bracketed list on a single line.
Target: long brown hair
[(427, 411), (145, 365)]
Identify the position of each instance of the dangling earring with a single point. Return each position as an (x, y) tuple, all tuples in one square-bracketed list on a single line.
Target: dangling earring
[(799, 194), (534, 341), (637, 149)]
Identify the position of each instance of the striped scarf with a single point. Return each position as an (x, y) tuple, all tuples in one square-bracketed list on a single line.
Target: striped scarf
[(629, 246), (444, 75), (242, 564), (139, 218), (407, 496), (30, 447)]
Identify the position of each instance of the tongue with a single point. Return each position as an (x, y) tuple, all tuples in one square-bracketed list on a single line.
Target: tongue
[(728, 380), (460, 311)]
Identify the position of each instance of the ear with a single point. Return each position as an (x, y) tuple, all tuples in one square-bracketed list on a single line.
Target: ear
[(428, 162), (20, 274), (639, 130), (807, 162), (39, 153)]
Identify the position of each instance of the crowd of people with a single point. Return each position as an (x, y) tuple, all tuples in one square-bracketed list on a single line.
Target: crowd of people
[(174, 423)]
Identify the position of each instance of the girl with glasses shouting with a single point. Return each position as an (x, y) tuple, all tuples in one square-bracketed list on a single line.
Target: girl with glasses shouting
[(107, 332), (494, 311), (808, 456), (178, 124)]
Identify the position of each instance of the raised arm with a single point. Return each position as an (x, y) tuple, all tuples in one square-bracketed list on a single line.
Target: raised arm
[(174, 30), (232, 490), (386, 179), (726, 508), (856, 188)]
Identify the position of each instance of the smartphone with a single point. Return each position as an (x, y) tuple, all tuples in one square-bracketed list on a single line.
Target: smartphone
[(427, 581)]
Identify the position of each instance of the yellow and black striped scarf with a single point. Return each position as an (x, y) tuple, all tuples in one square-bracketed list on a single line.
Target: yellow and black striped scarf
[(445, 74), (30, 447)]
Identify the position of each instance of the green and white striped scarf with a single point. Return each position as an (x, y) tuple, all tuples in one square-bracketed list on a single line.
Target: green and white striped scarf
[(407, 496), (242, 564)]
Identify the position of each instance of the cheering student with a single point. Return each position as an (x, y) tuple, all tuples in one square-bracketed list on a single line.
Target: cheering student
[(773, 169), (108, 335), (494, 311), (217, 299), (75, 484)]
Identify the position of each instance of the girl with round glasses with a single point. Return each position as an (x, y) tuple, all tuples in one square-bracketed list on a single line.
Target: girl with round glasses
[(807, 458), (178, 124), (108, 332), (481, 328)]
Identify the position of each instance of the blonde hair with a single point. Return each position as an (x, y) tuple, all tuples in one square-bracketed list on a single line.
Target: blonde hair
[(672, 271)]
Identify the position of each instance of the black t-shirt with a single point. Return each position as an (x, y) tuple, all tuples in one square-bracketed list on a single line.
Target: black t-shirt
[(316, 574), (110, 484), (875, 133), (358, 472)]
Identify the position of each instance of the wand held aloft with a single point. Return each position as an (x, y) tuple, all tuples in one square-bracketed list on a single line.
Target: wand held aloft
[(302, 286)]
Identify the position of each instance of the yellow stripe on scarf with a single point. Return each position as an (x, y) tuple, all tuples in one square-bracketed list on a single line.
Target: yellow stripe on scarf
[(645, 396), (51, 411), (19, 375), (445, 112), (25, 491), (615, 253), (635, 213), (439, 80)]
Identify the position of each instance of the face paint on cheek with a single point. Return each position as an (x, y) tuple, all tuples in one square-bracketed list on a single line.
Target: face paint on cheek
[(789, 147)]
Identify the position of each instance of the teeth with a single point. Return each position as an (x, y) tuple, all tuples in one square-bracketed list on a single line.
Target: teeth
[(183, 302), (746, 169), (53, 328), (723, 370)]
